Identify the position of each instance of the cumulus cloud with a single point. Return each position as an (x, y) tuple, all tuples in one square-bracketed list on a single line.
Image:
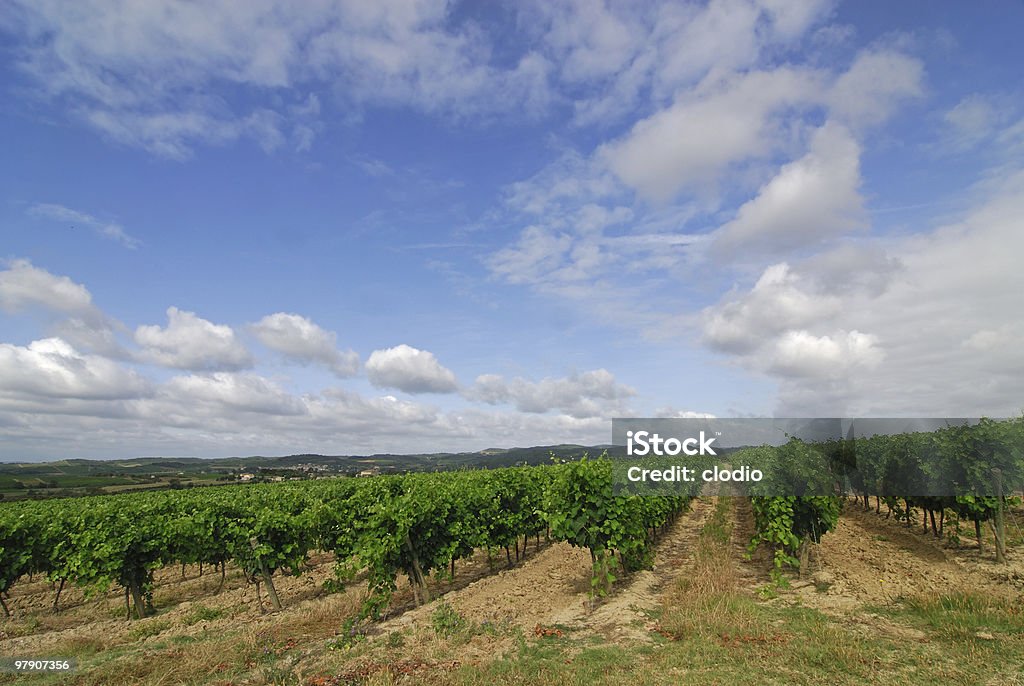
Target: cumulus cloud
[(780, 300), (299, 339), (863, 266), (673, 413), (932, 333), (708, 129), (799, 353), (51, 368), (197, 398), (589, 394), (109, 230), (810, 200), (737, 117), (409, 369), (190, 342), (788, 138), (23, 285), (52, 393)]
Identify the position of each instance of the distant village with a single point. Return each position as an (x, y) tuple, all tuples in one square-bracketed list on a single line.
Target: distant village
[(300, 472)]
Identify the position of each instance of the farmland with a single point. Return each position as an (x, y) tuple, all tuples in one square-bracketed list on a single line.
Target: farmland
[(77, 477), (531, 574)]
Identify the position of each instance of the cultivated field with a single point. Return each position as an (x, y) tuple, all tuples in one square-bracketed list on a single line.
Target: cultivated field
[(880, 602)]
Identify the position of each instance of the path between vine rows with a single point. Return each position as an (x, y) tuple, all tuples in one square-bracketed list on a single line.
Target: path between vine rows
[(552, 589)]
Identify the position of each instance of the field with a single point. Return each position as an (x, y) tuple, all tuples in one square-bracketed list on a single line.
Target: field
[(881, 602), (77, 477)]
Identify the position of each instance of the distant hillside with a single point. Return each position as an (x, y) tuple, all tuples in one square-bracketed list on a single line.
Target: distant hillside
[(71, 477)]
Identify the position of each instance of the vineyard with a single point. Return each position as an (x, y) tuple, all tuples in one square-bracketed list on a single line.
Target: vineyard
[(388, 537), (415, 524), (971, 466)]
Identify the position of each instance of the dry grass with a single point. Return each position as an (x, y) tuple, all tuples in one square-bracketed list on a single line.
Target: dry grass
[(706, 600)]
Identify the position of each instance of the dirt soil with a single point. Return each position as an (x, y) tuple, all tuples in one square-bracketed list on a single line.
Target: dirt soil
[(552, 589), (869, 560)]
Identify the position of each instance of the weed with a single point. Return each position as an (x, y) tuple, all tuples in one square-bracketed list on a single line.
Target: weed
[(447, 621), (352, 633)]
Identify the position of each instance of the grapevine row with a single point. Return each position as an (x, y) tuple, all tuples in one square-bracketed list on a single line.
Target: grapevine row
[(968, 470), (416, 524)]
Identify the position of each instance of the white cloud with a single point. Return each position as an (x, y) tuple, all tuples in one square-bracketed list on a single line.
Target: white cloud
[(299, 339), (590, 40), (630, 55), (190, 342), (139, 72), (673, 413), (722, 122), (971, 120), (750, 138), (995, 340), (932, 331), (52, 369), (226, 413), (537, 252), (23, 285), (982, 121), (411, 53), (877, 82), (172, 134), (589, 394), (194, 397), (94, 335), (810, 200), (409, 369), (852, 267), (108, 230), (779, 301), (333, 422), (565, 183), (725, 35), (799, 353)]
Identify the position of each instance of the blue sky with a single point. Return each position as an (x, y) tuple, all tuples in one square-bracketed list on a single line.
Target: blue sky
[(346, 227)]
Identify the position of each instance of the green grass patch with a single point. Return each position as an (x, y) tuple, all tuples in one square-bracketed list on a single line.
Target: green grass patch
[(201, 613), (766, 645), (964, 615)]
